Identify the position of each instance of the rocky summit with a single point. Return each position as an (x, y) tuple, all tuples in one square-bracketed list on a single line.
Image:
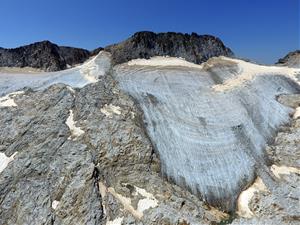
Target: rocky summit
[(192, 47), (43, 55), (144, 133)]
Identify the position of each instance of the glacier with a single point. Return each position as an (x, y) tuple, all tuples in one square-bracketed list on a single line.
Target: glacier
[(209, 124)]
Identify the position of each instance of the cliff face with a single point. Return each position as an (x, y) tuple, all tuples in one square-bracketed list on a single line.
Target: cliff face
[(194, 48), (43, 55), (292, 59)]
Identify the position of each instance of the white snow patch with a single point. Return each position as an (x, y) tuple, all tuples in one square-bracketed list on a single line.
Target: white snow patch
[(117, 221), (297, 113), (246, 196), (55, 204), (163, 61), (277, 170), (75, 131), (109, 110), (148, 202), (8, 101), (249, 70), (4, 160)]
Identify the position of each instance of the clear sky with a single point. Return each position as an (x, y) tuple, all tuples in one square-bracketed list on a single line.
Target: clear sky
[(261, 30)]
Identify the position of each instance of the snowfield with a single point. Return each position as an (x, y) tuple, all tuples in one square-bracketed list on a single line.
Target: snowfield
[(78, 76)]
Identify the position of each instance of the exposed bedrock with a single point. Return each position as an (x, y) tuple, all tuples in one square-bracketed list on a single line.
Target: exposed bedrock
[(193, 47), (209, 140)]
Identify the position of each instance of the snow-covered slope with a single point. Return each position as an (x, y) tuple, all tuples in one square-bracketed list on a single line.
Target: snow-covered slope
[(76, 77), (210, 123)]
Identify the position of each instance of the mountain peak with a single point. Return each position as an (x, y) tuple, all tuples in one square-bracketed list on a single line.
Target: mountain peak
[(145, 44)]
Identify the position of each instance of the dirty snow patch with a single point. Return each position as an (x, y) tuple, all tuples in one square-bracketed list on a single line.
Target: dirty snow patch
[(71, 89), (246, 196), (148, 202), (55, 204), (75, 131), (126, 202), (297, 113), (8, 101), (95, 67), (103, 190), (277, 170), (4, 160), (163, 61), (109, 110)]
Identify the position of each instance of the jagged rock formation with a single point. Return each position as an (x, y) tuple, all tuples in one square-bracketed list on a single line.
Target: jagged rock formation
[(194, 48), (43, 55), (95, 154), (292, 59)]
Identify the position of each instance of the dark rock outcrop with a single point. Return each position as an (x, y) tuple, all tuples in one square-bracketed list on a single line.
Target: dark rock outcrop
[(292, 59), (194, 48), (43, 55)]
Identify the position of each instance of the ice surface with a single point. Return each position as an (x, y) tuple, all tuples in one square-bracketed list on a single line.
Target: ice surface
[(209, 126)]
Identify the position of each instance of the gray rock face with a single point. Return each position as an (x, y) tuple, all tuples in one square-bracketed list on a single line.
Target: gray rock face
[(43, 55), (194, 48), (292, 59)]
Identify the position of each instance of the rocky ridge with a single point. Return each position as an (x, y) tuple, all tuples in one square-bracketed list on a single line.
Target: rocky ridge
[(51, 57), (192, 47), (43, 55)]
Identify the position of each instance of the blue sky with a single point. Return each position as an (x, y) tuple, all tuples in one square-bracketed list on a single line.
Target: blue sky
[(262, 30)]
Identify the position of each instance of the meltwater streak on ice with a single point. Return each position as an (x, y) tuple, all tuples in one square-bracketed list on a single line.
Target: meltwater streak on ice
[(207, 140), (76, 77)]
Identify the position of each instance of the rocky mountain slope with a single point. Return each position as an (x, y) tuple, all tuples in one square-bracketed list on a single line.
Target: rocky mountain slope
[(43, 55), (292, 59), (158, 141), (193, 48)]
